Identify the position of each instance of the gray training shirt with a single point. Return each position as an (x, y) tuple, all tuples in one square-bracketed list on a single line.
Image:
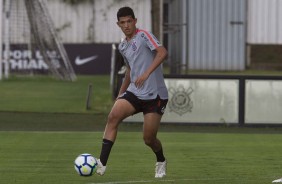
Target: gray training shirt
[(139, 54)]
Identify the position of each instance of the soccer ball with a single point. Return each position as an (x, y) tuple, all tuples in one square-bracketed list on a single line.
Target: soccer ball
[(85, 164)]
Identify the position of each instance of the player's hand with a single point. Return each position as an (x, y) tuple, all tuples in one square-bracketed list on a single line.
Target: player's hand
[(140, 80)]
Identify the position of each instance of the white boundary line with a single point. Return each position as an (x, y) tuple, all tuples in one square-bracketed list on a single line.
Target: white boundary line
[(157, 181)]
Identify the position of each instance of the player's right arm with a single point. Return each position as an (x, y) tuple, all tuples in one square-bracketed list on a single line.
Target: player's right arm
[(125, 82)]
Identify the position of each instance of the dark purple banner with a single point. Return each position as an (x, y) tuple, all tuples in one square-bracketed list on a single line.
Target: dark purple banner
[(90, 59), (87, 59)]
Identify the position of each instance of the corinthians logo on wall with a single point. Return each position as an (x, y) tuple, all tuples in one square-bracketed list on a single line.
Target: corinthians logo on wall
[(180, 101)]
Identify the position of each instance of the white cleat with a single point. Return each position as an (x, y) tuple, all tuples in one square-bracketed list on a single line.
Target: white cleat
[(160, 169), (100, 168), (277, 181)]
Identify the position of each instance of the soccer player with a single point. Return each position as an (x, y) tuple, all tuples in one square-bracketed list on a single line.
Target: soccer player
[(143, 89)]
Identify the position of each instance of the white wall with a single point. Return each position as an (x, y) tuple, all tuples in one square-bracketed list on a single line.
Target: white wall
[(87, 22), (264, 22), (216, 34), (96, 22), (189, 101)]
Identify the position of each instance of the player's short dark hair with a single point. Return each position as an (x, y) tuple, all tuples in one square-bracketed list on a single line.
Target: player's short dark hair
[(125, 11)]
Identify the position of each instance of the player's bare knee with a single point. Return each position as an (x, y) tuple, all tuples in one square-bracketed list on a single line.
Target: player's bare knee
[(113, 116), (149, 141), (113, 119)]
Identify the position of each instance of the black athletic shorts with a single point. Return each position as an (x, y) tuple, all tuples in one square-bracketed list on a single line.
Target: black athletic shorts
[(157, 105)]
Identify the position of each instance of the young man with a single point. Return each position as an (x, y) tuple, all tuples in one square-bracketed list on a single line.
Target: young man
[(143, 89)]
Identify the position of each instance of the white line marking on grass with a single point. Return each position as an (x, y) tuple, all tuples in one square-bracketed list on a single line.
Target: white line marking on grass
[(154, 181)]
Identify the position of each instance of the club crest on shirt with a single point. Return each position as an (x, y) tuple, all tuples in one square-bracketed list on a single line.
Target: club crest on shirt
[(134, 46)]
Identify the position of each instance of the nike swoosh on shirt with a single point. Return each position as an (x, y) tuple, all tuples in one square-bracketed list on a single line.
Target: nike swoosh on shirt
[(79, 61)]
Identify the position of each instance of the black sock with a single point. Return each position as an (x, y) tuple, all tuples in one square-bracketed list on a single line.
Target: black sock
[(160, 155), (105, 152)]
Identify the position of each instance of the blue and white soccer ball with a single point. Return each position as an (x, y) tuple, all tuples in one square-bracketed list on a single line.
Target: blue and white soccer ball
[(85, 164)]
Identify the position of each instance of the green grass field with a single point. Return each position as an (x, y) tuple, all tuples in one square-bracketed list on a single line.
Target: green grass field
[(47, 157), (44, 125), (46, 94)]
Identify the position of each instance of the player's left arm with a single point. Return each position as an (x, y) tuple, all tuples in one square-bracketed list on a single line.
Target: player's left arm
[(160, 56)]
